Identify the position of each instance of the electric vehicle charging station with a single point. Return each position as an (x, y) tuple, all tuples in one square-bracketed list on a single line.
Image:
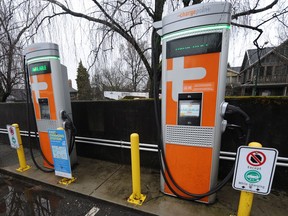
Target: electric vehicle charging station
[(195, 43), (50, 95)]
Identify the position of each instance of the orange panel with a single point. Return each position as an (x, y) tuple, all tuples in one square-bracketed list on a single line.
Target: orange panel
[(48, 93), (171, 106), (208, 85), (36, 107), (46, 149), (190, 167), (169, 64)]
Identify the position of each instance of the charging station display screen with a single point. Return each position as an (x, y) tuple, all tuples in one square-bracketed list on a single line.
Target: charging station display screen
[(189, 108), (39, 68), (194, 45), (44, 108)]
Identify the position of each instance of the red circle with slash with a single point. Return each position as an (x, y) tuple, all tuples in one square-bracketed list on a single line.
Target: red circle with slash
[(11, 131), (256, 158)]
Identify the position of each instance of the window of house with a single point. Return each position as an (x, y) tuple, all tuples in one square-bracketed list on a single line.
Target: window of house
[(285, 50), (261, 72), (247, 76), (227, 80), (281, 73), (269, 70), (242, 79), (272, 58), (280, 70)]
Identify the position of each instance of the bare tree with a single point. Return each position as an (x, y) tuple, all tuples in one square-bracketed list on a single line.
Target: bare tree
[(135, 72), (114, 78), (16, 17), (132, 20), (109, 78), (125, 18)]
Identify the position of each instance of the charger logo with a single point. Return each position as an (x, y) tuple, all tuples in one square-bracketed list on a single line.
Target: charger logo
[(41, 86), (179, 74), (36, 87), (199, 11), (195, 73), (187, 13)]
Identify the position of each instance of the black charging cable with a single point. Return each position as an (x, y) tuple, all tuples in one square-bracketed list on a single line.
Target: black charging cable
[(69, 125)]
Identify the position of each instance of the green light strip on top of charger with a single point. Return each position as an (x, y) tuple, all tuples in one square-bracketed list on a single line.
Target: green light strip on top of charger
[(43, 58), (197, 29)]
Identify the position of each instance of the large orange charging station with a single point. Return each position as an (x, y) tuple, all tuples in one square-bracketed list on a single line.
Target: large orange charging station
[(49, 92), (195, 43)]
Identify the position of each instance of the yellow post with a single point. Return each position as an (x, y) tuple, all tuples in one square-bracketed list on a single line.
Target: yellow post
[(136, 196), (246, 198), (20, 151)]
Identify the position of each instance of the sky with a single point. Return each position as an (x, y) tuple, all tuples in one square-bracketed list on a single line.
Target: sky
[(73, 37)]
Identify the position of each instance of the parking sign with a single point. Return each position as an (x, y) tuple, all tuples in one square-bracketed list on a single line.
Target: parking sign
[(254, 169), (14, 143)]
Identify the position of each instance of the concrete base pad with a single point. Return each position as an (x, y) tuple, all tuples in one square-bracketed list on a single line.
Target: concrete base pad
[(112, 182)]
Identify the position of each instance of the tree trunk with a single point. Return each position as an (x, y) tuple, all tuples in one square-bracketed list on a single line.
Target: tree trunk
[(156, 50)]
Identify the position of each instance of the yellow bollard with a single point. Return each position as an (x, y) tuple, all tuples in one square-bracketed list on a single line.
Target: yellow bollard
[(136, 196), (246, 198), (20, 151)]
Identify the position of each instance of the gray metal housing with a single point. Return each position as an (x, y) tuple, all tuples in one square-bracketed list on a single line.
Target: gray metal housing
[(197, 20), (50, 52)]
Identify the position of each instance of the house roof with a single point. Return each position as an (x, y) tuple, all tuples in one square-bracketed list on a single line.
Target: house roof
[(252, 58), (236, 69), (72, 90)]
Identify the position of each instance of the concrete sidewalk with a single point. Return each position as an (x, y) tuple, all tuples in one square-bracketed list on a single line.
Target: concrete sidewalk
[(112, 182)]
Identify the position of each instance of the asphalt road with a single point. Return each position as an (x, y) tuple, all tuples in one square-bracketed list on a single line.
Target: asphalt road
[(19, 197)]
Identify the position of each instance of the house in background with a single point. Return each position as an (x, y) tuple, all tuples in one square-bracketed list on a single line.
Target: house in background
[(268, 78), (232, 81), (73, 92)]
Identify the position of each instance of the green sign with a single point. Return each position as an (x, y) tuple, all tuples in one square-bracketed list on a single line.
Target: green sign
[(39, 68), (253, 176)]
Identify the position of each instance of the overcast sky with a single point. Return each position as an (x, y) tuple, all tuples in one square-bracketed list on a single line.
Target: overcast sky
[(73, 37)]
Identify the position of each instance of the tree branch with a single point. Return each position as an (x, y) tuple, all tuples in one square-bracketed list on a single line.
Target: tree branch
[(28, 26), (114, 26), (254, 11), (147, 9)]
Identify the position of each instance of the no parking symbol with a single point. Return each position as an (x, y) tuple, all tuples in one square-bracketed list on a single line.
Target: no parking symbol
[(256, 158)]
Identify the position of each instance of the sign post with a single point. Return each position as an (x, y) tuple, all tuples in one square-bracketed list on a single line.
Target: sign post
[(254, 171), (16, 143)]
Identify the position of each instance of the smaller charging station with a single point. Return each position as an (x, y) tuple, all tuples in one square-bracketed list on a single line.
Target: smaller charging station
[(195, 43), (50, 96)]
